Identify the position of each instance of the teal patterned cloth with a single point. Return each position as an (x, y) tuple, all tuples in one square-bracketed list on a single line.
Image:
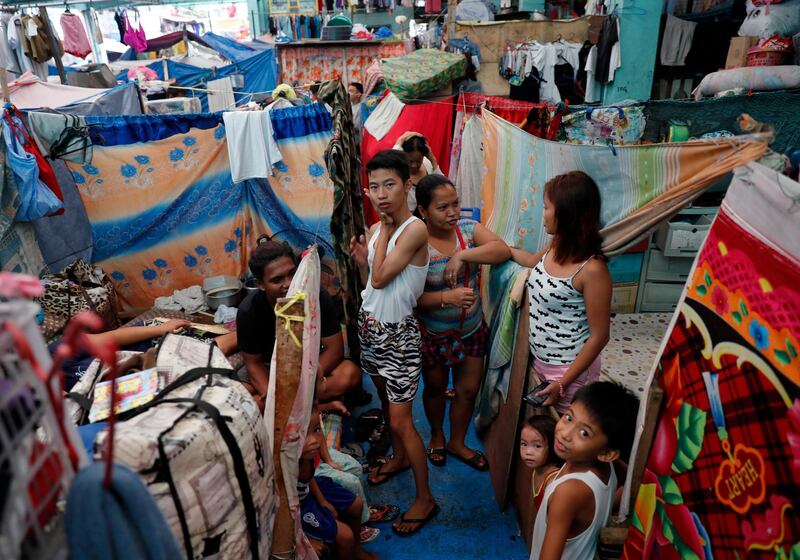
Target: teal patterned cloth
[(422, 72)]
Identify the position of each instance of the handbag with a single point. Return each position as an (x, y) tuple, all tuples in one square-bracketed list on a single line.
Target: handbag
[(449, 345)]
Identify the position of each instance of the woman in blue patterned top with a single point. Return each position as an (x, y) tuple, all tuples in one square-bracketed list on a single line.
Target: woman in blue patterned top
[(454, 333)]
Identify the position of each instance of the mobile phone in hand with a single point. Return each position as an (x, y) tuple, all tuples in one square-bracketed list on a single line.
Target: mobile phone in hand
[(537, 400)]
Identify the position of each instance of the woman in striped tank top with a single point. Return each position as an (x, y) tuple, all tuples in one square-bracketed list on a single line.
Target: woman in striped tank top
[(569, 289), (454, 333)]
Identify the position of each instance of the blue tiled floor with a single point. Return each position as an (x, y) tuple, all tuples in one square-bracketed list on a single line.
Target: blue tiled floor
[(470, 525)]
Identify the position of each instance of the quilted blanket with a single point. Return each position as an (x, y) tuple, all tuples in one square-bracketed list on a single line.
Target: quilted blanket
[(725, 461), (422, 72)]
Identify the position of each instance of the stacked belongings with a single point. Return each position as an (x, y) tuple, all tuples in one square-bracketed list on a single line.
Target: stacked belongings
[(201, 448)]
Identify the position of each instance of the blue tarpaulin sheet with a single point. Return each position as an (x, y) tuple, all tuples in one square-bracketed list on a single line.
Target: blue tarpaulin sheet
[(260, 73), (229, 48)]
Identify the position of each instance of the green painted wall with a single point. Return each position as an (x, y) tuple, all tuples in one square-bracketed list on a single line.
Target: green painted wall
[(639, 22)]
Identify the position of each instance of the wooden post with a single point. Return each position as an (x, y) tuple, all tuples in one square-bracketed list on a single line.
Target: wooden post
[(4, 85), (451, 19), (289, 361), (57, 54)]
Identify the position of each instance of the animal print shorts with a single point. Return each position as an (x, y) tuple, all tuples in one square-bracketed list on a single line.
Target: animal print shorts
[(393, 352)]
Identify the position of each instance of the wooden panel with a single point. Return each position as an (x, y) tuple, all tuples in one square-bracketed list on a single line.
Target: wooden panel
[(491, 37), (502, 437)]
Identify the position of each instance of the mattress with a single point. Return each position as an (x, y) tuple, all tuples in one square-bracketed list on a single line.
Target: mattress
[(422, 72), (632, 348)]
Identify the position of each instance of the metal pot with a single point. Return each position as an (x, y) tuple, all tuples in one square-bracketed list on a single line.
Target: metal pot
[(224, 296), (250, 286)]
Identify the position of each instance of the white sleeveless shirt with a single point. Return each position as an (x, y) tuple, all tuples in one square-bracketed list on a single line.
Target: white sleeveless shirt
[(396, 301), (559, 325), (583, 546)]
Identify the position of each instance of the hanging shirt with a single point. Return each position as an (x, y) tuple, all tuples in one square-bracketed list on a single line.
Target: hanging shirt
[(543, 57), (592, 87), (14, 35), (8, 56), (607, 60), (252, 150)]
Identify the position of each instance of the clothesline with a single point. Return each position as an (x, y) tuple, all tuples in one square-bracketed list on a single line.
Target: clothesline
[(457, 104)]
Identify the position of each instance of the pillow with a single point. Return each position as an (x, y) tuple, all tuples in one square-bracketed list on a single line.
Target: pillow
[(755, 78)]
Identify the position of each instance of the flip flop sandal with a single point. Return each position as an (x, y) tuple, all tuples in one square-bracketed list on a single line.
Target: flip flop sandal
[(441, 452), (383, 513), (386, 476), (354, 450), (420, 522), (368, 534), (474, 461), (376, 461)]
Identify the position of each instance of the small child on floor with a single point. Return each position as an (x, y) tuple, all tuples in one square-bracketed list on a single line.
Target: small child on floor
[(330, 512), (537, 450), (597, 429)]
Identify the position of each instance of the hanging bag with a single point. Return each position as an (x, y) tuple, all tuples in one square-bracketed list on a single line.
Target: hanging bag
[(46, 173), (37, 200)]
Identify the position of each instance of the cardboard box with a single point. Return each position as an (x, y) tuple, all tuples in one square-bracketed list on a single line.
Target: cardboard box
[(737, 52), (623, 297)]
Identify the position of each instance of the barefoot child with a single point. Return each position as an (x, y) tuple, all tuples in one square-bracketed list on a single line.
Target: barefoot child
[(537, 449), (597, 429), (330, 513), (397, 256), (569, 288)]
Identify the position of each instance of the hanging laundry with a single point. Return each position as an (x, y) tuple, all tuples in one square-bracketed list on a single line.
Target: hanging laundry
[(592, 94), (8, 56), (119, 19), (96, 30), (134, 38), (252, 150), (382, 119), (61, 136), (36, 41), (74, 35), (677, 41), (220, 95), (433, 6), (608, 51), (522, 60)]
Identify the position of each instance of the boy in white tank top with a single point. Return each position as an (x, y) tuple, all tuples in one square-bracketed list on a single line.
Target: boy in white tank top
[(396, 260), (597, 429)]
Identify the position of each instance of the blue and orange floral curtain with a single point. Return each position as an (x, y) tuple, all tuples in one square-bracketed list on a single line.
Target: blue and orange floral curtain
[(165, 213)]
